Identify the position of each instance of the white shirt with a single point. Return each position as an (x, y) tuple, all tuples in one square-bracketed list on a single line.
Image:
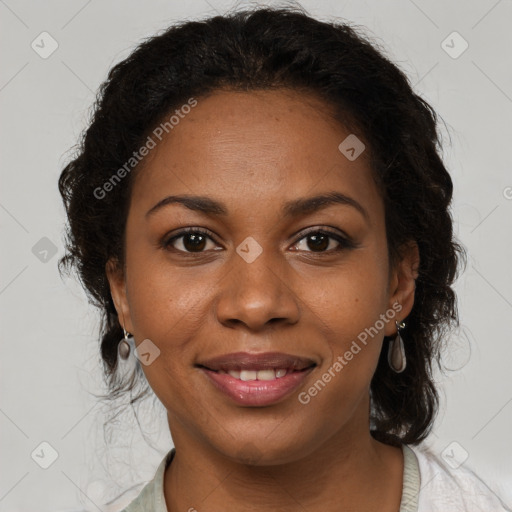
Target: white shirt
[(448, 489)]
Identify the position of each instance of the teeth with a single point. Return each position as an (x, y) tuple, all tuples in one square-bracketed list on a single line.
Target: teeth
[(266, 374), (246, 375)]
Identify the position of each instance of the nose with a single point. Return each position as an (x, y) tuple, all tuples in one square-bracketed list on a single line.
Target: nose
[(257, 294)]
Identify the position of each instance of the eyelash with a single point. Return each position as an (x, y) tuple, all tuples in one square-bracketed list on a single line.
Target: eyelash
[(344, 242)]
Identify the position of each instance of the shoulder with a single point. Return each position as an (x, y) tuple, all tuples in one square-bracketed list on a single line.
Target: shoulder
[(151, 497), (144, 501), (454, 487)]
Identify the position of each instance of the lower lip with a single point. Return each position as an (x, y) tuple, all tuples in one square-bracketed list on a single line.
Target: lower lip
[(257, 392)]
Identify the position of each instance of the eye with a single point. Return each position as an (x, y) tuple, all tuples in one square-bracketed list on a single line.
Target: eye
[(321, 240), (195, 240), (189, 240)]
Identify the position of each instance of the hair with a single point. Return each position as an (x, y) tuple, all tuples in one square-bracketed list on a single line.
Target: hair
[(266, 49)]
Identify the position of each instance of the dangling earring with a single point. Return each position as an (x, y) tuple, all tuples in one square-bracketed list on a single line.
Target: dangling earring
[(396, 351), (124, 347), (126, 359)]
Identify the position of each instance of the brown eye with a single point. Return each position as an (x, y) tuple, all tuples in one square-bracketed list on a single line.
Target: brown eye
[(194, 240), (322, 241), (318, 242)]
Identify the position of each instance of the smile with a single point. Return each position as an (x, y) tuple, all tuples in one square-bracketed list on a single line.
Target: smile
[(257, 380)]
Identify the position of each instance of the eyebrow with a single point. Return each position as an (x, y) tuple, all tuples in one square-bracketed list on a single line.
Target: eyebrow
[(296, 207)]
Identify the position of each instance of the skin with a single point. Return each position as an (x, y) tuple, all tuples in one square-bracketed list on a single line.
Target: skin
[(254, 152)]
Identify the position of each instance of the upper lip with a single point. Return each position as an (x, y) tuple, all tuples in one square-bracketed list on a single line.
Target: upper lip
[(261, 361)]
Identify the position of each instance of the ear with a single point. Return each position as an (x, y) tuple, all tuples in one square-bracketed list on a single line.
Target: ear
[(402, 284), (117, 282)]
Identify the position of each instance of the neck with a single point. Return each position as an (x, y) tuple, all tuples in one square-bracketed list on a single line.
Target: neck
[(350, 471)]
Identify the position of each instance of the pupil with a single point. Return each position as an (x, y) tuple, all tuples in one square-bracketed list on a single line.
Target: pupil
[(319, 242), (193, 242)]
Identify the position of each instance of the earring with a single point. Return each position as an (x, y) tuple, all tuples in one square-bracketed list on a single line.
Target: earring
[(124, 347), (126, 360), (396, 351)]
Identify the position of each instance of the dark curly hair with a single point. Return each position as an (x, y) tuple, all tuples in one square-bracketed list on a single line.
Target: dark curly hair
[(268, 48)]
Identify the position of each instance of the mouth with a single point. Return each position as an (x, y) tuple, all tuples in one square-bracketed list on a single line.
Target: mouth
[(244, 361), (257, 379)]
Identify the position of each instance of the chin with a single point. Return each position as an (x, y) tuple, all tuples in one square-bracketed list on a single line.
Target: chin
[(262, 451)]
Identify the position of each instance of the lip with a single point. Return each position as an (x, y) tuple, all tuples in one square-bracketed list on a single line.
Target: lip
[(261, 361), (257, 392)]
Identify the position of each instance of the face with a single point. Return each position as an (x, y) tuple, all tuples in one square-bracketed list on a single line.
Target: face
[(264, 280)]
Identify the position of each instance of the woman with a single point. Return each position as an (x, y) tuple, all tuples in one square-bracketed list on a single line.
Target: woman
[(260, 208)]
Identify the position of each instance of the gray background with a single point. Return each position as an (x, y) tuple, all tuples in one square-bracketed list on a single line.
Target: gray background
[(50, 363)]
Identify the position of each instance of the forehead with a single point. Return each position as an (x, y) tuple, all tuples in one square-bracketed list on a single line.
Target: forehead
[(262, 146)]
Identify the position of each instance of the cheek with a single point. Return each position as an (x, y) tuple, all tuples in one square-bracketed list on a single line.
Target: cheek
[(351, 309), (167, 306), (162, 297), (349, 299)]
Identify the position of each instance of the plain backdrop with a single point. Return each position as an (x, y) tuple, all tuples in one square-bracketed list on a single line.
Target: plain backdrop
[(49, 354)]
